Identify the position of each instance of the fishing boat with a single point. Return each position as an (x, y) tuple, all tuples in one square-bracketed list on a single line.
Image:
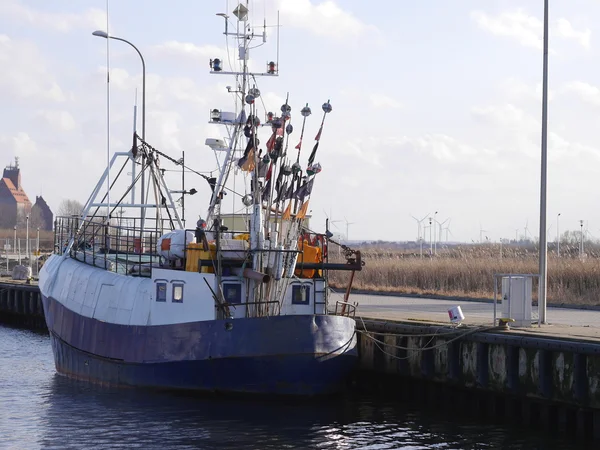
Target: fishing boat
[(140, 300)]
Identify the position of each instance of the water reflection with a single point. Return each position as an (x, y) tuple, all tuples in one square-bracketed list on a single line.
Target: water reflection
[(40, 409)]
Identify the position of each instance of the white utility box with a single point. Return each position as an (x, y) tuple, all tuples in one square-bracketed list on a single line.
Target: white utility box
[(516, 300)]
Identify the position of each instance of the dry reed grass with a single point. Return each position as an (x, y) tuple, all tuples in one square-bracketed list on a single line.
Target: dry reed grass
[(469, 272)]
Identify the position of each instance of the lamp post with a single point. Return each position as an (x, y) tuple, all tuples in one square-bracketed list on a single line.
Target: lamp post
[(434, 237), (543, 268), (27, 241), (430, 241), (37, 253), (581, 245), (104, 34), (557, 237), (15, 247)]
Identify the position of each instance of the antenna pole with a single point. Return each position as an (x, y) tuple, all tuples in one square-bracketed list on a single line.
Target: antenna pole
[(107, 121), (183, 186), (133, 160)]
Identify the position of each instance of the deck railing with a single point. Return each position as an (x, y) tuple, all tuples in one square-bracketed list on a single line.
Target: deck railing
[(119, 245)]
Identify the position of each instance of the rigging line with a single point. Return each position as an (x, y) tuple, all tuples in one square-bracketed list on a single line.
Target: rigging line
[(190, 171), (176, 162), (111, 186), (301, 136)]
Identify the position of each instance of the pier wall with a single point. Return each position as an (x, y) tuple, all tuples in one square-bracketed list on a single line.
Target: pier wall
[(21, 304), (550, 383)]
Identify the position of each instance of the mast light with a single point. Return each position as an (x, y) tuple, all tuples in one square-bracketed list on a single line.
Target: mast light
[(215, 115), (271, 67), (215, 64)]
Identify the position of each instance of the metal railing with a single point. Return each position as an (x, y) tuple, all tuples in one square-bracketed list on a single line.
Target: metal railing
[(120, 247), (347, 309)]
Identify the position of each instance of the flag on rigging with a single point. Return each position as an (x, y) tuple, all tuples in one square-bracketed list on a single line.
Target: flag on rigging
[(311, 158), (303, 190), (287, 214), (303, 209), (318, 136)]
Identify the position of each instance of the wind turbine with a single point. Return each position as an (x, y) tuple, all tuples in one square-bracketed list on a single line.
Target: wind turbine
[(447, 228), (330, 220), (440, 227), (347, 224), (419, 237), (481, 231)]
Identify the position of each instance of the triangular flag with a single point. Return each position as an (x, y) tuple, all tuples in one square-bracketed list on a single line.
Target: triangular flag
[(311, 158), (266, 191), (303, 190), (299, 144), (287, 214), (249, 164), (271, 142), (302, 213), (318, 136)]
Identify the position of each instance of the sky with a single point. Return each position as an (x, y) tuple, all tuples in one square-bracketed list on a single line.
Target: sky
[(436, 105)]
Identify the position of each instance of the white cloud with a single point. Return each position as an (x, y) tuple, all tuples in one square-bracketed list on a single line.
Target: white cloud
[(565, 29), (24, 74), (383, 101), (21, 144), (519, 91), (57, 119), (507, 115), (91, 19), (187, 49), (585, 91), (514, 24), (528, 29), (323, 19)]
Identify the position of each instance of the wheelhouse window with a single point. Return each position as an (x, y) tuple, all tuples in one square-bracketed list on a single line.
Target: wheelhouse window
[(177, 293), (161, 292), (300, 294), (232, 292)]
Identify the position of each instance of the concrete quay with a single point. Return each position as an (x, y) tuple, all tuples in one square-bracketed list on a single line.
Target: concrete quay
[(21, 304), (545, 377)]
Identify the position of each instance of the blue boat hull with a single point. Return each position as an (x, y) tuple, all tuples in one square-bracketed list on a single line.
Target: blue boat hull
[(289, 355)]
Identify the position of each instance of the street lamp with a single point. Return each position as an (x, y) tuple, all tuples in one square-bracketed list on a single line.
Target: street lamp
[(37, 248), (27, 241), (581, 246), (430, 241), (434, 238), (543, 258), (557, 237), (104, 34)]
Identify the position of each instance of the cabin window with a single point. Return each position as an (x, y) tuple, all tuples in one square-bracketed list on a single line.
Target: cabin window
[(232, 292), (300, 294), (161, 292), (177, 293)]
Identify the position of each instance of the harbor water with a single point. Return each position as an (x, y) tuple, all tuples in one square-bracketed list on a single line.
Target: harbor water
[(42, 410)]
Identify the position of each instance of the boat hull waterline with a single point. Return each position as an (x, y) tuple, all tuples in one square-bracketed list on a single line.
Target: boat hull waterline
[(284, 355)]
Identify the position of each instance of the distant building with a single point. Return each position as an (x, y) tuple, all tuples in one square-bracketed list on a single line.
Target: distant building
[(14, 203), (41, 214)]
